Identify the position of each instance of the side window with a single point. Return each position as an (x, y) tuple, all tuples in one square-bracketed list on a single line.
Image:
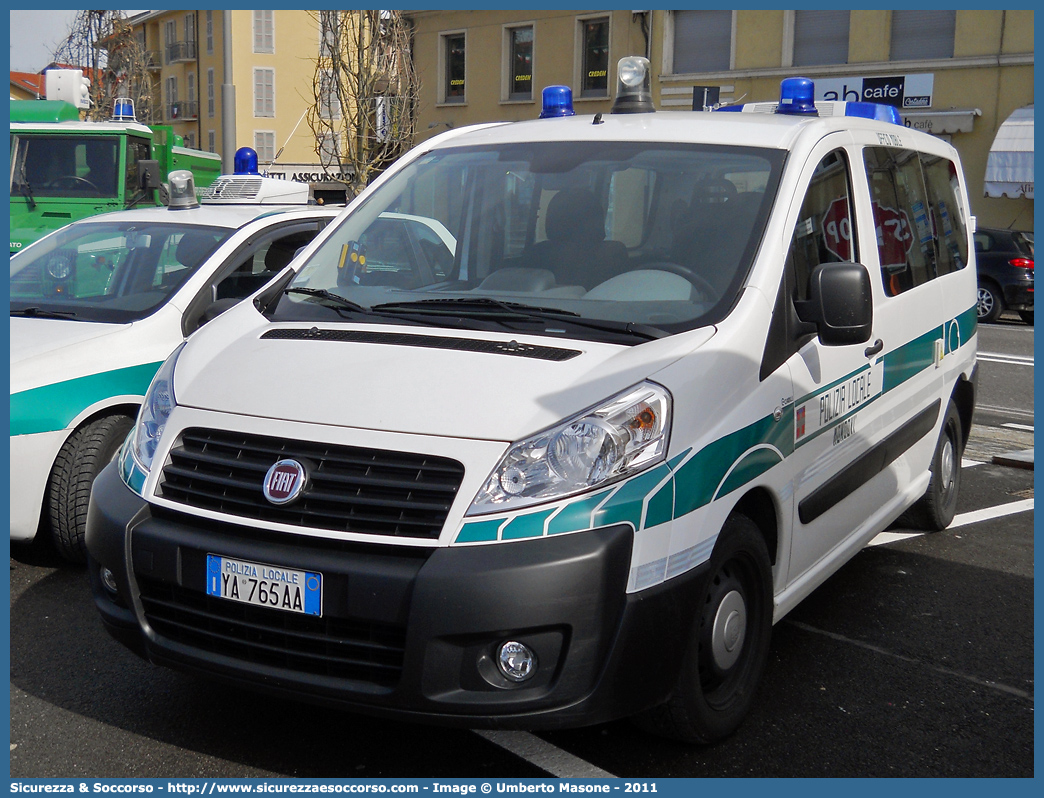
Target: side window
[(824, 231), (947, 213), (905, 241), (256, 267)]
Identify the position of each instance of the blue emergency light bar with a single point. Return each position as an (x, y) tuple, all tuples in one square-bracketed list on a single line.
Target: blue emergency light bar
[(796, 97), (245, 161), (556, 101)]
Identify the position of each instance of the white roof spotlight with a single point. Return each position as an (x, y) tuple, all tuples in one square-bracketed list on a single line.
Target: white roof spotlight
[(633, 91)]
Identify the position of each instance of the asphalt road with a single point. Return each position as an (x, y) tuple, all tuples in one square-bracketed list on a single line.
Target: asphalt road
[(916, 659)]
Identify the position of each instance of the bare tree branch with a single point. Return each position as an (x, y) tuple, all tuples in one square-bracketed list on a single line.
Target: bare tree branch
[(104, 46), (365, 92)]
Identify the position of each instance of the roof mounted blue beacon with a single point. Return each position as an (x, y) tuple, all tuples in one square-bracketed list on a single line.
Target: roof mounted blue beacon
[(556, 101), (878, 111), (245, 162), (797, 96)]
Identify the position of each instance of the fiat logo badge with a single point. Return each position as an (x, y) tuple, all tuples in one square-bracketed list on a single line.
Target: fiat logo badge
[(284, 482)]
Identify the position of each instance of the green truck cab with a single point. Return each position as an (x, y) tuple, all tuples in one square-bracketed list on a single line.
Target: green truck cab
[(63, 169)]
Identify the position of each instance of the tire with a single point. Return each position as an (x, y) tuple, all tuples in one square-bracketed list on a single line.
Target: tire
[(87, 451), (934, 511), (990, 305), (1026, 316), (723, 664)]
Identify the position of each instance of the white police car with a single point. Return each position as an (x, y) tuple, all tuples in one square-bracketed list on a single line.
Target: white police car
[(679, 369), (97, 306)]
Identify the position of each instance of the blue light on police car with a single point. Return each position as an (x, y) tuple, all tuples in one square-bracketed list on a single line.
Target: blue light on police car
[(797, 96), (556, 101), (878, 111), (245, 162)]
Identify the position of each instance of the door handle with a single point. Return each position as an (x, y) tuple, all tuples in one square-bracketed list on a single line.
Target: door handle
[(870, 351)]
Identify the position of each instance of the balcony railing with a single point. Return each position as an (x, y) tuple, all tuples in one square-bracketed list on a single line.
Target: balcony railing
[(183, 110), (153, 59), (181, 51)]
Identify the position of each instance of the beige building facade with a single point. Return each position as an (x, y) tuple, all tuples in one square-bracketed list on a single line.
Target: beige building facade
[(956, 74), (273, 72)]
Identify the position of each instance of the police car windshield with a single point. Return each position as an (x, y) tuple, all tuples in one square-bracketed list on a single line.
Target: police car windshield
[(108, 271), (653, 234)]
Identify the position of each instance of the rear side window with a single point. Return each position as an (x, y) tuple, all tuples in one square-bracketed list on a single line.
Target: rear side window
[(918, 218)]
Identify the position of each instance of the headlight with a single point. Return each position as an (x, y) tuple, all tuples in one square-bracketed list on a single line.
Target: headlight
[(620, 437), (155, 410)]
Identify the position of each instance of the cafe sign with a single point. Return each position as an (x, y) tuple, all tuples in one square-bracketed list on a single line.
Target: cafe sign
[(900, 91)]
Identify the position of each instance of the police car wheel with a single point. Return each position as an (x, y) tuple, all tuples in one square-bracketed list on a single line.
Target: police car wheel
[(729, 645), (81, 459), (934, 511), (990, 305)]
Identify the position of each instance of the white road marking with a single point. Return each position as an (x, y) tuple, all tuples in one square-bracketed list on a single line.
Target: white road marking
[(1024, 427), (966, 463), (999, 357), (544, 755), (1004, 688), (1012, 411), (964, 519)]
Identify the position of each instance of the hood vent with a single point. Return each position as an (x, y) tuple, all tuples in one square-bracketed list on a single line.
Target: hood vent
[(425, 341)]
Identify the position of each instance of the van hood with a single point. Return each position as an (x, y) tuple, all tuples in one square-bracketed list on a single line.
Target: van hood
[(448, 383)]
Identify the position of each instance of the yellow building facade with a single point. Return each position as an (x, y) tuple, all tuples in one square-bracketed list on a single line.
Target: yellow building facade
[(955, 74), (273, 71)]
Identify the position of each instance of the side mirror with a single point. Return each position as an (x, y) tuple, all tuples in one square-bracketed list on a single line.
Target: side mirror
[(149, 174), (840, 304)]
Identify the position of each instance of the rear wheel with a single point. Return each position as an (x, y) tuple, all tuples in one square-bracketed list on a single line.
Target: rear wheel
[(1026, 316), (990, 305), (934, 511), (729, 644), (81, 459)]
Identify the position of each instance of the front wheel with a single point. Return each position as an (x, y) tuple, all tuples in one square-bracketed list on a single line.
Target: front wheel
[(729, 643), (87, 451)]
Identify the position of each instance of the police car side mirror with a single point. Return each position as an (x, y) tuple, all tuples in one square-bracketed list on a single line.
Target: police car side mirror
[(840, 304)]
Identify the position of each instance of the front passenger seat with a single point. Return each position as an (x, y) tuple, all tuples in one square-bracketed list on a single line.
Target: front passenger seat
[(576, 249)]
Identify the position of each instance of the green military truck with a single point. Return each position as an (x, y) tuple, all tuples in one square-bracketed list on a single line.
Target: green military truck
[(63, 169)]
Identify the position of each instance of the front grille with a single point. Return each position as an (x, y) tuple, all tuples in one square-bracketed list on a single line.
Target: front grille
[(351, 489), (345, 649)]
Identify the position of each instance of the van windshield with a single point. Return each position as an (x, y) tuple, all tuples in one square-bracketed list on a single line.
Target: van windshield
[(633, 234), (65, 166)]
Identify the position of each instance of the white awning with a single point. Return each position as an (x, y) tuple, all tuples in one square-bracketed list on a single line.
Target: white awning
[(1009, 168), (956, 120)]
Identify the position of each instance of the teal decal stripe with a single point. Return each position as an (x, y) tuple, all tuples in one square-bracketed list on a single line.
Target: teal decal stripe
[(480, 531), (832, 385), (576, 516), (968, 324), (53, 407), (697, 480), (661, 506), (626, 504), (910, 359), (526, 526), (753, 465)]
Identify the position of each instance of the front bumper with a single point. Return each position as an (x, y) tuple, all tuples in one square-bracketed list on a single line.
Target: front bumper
[(405, 632)]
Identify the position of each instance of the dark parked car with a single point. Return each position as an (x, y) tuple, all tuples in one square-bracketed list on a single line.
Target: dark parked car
[(1005, 259)]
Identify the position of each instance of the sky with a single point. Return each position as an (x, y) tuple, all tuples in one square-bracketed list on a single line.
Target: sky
[(36, 34)]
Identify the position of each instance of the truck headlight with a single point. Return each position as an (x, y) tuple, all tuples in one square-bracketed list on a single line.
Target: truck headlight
[(155, 410), (618, 438)]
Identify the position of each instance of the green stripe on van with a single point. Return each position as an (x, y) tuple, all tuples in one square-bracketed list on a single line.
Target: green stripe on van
[(53, 407)]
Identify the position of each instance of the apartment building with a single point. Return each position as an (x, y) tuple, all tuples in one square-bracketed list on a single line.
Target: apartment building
[(957, 74), (273, 71)]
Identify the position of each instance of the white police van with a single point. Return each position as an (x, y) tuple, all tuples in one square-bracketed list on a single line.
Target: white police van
[(676, 370), (98, 305)]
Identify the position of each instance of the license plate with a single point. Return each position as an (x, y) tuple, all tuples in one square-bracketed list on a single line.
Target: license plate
[(265, 585)]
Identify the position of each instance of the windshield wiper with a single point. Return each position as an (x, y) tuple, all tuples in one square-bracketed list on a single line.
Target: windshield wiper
[(485, 307), (472, 306), (322, 294), (42, 313)]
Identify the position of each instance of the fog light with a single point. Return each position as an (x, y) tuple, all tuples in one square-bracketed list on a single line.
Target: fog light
[(516, 661), (108, 579)]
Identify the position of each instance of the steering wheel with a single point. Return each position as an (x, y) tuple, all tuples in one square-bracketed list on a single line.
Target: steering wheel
[(73, 181), (701, 284)]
